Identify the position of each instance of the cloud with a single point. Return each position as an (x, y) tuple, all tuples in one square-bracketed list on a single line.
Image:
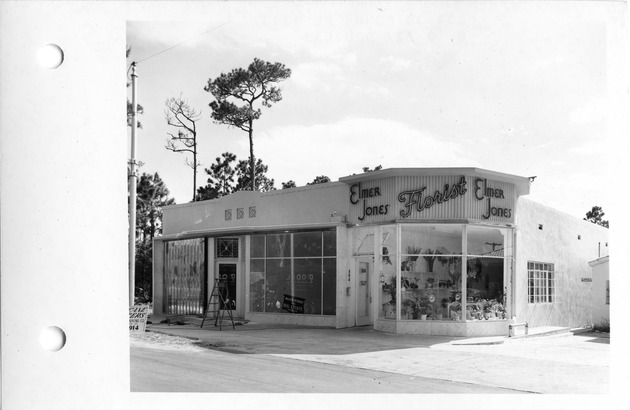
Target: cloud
[(396, 63), (596, 146), (316, 75), (342, 148)]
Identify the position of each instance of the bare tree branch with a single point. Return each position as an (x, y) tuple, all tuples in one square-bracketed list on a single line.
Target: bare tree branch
[(183, 118)]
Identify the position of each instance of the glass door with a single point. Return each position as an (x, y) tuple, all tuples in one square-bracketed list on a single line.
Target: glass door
[(227, 274), (364, 293)]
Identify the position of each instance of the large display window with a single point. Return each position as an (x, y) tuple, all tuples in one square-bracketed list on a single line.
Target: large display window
[(485, 272), (294, 273), (444, 272), (388, 259)]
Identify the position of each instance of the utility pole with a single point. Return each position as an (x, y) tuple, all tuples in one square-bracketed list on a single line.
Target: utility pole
[(133, 182)]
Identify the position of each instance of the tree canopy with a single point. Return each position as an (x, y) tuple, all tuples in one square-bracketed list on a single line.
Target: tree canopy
[(224, 178), (322, 179), (596, 216), (288, 184), (261, 182), (377, 168), (246, 86), (152, 195)]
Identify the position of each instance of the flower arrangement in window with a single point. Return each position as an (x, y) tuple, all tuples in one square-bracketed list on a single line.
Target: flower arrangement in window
[(407, 283), (430, 256), (390, 287), (454, 268), (456, 310), (473, 268), (474, 311), (424, 311), (408, 263), (487, 309)]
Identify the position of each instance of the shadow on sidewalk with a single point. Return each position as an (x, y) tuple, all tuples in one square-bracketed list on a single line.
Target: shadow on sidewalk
[(254, 338)]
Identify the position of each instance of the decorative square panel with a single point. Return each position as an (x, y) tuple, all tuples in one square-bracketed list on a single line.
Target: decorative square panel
[(240, 213), (252, 212), (227, 247), (228, 214)]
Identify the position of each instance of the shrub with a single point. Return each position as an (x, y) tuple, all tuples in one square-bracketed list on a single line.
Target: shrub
[(603, 326)]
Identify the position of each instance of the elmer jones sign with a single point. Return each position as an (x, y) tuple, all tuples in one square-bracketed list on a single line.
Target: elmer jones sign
[(448, 197)]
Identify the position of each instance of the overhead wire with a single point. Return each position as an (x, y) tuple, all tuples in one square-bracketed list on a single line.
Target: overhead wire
[(183, 42)]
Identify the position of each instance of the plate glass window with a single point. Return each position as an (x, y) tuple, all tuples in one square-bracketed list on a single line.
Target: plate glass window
[(540, 282), (293, 273)]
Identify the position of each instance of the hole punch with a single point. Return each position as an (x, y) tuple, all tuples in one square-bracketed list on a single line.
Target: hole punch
[(50, 56), (52, 338)]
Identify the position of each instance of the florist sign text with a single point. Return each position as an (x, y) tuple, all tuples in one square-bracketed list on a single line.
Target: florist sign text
[(420, 200)]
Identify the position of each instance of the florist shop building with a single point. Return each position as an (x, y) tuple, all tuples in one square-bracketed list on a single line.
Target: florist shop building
[(443, 251)]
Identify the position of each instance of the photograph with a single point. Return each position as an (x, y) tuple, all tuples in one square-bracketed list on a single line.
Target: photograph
[(372, 198), (314, 204)]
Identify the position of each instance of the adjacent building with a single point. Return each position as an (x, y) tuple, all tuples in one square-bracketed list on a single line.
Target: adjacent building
[(448, 251), (601, 291)]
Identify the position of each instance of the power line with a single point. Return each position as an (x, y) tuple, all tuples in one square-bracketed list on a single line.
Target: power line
[(179, 44)]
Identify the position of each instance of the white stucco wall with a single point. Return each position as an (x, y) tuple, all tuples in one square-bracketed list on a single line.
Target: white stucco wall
[(601, 310), (567, 242), (313, 204)]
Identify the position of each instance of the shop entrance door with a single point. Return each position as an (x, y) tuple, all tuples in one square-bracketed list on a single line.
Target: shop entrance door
[(227, 273), (364, 294)]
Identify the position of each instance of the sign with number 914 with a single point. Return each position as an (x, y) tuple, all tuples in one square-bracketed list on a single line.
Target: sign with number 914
[(138, 318)]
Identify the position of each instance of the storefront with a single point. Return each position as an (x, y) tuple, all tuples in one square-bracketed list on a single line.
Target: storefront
[(423, 251)]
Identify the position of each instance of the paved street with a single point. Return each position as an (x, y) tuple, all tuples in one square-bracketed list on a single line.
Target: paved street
[(358, 360), (213, 371)]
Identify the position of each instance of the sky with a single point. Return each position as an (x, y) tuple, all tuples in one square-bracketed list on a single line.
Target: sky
[(523, 89)]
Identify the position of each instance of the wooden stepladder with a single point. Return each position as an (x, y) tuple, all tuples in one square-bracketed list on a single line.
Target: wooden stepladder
[(219, 302)]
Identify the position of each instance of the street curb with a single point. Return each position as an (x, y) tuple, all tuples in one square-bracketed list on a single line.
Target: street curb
[(578, 330)]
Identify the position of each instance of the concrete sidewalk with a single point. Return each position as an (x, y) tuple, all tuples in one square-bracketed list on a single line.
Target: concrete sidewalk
[(564, 363)]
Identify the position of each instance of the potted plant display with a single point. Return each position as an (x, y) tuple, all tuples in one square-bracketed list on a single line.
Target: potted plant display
[(444, 302), (488, 311), (389, 307), (409, 308), (499, 310), (456, 310), (424, 311)]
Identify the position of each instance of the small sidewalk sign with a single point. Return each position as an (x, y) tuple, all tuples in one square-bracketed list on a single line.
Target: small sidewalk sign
[(138, 318)]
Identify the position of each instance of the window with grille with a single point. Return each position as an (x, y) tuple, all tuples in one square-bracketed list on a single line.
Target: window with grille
[(540, 283), (608, 292), (227, 247)]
